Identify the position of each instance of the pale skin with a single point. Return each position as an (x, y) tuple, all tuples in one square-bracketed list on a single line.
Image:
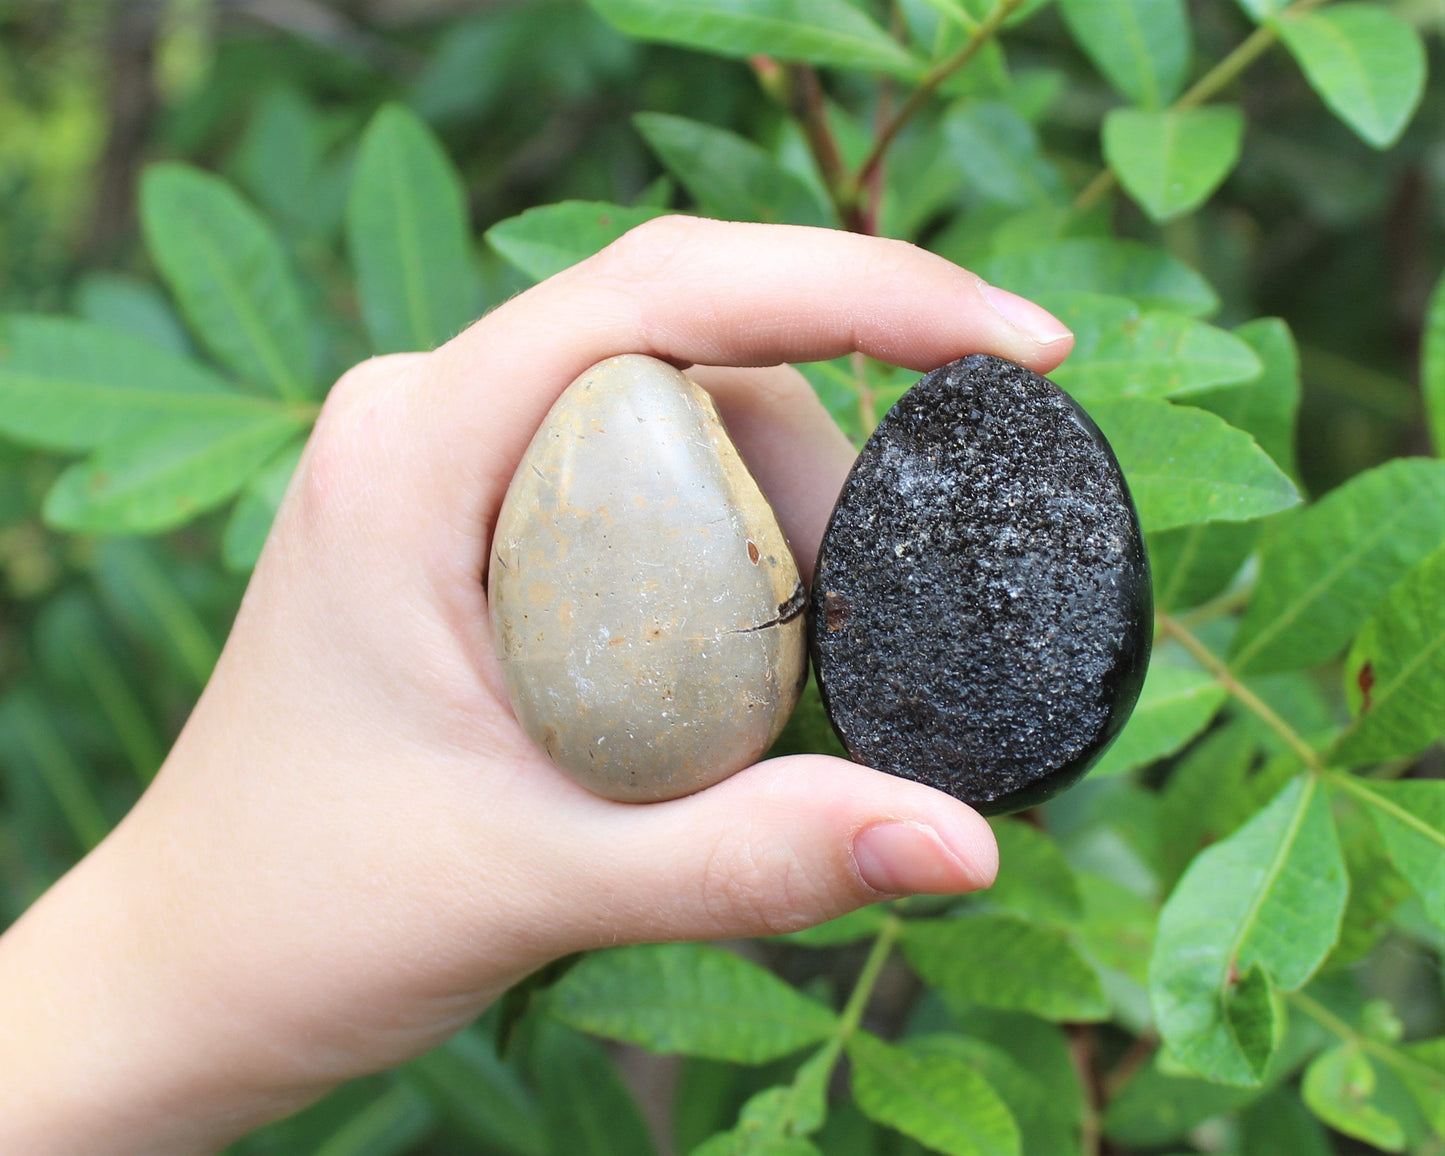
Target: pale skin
[(352, 848)]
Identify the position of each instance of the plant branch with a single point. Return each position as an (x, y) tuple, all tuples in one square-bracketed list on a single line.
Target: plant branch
[(808, 108), (982, 33), (1211, 84), (1226, 678)]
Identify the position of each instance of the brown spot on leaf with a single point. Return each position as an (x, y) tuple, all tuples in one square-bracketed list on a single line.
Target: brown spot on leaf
[(1366, 681)]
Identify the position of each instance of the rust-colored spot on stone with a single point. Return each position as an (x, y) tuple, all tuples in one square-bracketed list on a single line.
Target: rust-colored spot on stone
[(836, 609), (753, 554)]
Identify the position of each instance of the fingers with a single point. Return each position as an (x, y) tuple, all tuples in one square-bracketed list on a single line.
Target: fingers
[(780, 846), (794, 449), (697, 291)]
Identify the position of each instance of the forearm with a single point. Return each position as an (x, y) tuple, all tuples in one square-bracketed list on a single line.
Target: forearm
[(113, 1039)]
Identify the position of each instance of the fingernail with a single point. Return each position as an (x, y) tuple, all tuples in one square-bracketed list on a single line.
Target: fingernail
[(901, 858), (1035, 322)]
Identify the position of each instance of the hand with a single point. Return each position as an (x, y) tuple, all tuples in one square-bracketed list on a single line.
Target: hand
[(352, 847)]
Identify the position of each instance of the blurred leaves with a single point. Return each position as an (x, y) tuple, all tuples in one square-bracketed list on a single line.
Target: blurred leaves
[(1366, 63), (227, 271), (546, 240), (409, 238)]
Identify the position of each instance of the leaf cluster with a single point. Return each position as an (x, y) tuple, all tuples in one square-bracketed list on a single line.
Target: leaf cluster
[(1226, 940)]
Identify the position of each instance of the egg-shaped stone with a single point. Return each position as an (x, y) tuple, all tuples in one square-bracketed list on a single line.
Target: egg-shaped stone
[(645, 604), (981, 612)]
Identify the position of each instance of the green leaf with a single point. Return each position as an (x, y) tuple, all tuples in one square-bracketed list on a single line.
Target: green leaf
[(864, 923), (1266, 407), (1151, 278), (1141, 46), (32, 742), (1366, 63), (585, 1103), (701, 1001), (1209, 795), (729, 176), (144, 598), (1039, 1048), (1154, 1109), (1175, 705), (1046, 1126), (250, 522), (546, 240), (1119, 352), (76, 648), (1338, 1086), (1193, 564), (1395, 672), (1376, 888), (1411, 819), (229, 275), (1277, 1124), (1432, 366), (1185, 465), (1170, 162), (774, 1121), (74, 385), (130, 305), (1327, 568), (827, 32), (1034, 878), (1269, 897), (388, 1126), (166, 476), (1262, 10), (997, 151), (1424, 1077), (1116, 932), (937, 1099), (481, 1097), (407, 233), (1007, 962)]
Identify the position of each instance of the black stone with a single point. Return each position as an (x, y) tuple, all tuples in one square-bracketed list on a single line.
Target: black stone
[(981, 612)]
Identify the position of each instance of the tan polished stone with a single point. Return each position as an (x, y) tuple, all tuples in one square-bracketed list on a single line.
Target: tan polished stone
[(645, 604)]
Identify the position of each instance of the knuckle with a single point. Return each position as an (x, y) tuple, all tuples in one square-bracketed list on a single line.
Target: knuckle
[(761, 886), (661, 241)]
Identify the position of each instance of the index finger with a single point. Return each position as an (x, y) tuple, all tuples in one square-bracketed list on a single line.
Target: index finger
[(690, 290)]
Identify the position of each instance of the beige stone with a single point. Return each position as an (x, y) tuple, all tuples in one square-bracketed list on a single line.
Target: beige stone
[(645, 604)]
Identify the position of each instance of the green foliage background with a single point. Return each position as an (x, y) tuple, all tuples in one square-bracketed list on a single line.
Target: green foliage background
[(1228, 939)]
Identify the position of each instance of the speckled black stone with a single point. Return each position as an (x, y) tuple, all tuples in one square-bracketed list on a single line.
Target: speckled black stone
[(981, 608)]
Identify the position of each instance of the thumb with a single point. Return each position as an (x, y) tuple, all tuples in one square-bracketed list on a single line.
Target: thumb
[(780, 846)]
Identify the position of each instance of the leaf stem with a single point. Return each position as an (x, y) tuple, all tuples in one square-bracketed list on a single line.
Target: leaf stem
[(1226, 678), (862, 991), (1361, 790), (1381, 1051), (982, 33), (1211, 84)]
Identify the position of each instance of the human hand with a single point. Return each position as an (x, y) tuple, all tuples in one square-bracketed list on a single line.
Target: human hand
[(353, 847)]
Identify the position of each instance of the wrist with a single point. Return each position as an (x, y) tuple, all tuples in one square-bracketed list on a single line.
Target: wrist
[(111, 1038)]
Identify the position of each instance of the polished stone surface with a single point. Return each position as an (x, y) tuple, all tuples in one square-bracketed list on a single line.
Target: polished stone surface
[(646, 607), (981, 613)]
